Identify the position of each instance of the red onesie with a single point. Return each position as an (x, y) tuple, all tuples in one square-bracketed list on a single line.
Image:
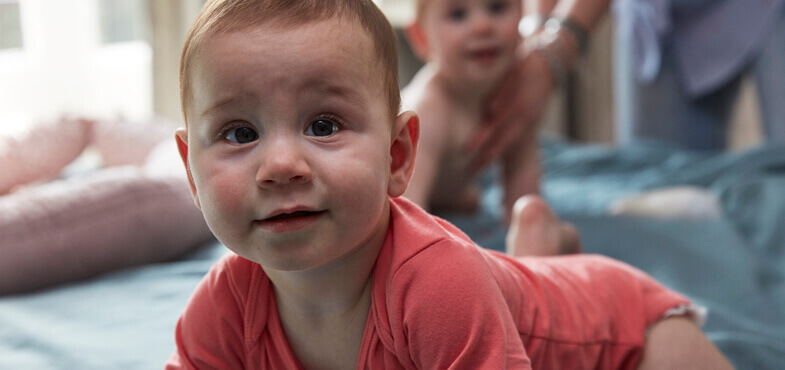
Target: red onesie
[(439, 301)]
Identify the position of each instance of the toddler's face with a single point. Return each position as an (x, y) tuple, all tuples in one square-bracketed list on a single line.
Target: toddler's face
[(289, 142), (472, 40)]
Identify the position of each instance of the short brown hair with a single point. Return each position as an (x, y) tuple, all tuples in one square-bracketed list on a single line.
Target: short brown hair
[(225, 16)]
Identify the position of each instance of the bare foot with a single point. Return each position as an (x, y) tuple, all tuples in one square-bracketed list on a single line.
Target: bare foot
[(536, 231)]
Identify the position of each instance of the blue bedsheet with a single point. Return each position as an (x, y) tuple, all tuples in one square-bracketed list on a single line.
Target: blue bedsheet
[(123, 320), (735, 266)]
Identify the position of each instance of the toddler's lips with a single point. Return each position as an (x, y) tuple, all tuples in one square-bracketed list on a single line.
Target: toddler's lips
[(286, 222), (484, 56)]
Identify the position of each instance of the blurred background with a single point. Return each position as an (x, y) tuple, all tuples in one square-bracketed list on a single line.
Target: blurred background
[(119, 58)]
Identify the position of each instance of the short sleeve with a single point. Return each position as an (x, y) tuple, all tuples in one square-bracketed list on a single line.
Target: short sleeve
[(209, 333), (448, 312)]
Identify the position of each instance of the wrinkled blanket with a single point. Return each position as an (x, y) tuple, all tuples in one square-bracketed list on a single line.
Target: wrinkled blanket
[(735, 265)]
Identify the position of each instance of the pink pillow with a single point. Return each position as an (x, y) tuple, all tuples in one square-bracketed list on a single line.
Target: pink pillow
[(76, 228), (122, 142), (41, 152)]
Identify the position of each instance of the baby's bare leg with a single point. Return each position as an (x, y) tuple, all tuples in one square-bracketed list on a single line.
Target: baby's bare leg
[(676, 343), (536, 231)]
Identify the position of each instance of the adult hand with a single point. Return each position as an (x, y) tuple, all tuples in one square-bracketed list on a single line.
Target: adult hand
[(514, 108)]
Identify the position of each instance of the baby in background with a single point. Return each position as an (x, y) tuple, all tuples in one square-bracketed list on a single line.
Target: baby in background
[(297, 154), (468, 47)]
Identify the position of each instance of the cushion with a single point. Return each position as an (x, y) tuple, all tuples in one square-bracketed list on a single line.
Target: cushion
[(122, 142), (41, 151), (79, 227)]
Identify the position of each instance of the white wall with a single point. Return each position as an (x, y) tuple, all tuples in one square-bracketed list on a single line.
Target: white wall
[(64, 69)]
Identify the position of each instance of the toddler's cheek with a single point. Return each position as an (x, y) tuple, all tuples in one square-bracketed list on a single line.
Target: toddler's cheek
[(222, 204)]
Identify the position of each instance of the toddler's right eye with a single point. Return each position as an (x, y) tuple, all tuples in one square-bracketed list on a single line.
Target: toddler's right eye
[(321, 127), (457, 14), (241, 135)]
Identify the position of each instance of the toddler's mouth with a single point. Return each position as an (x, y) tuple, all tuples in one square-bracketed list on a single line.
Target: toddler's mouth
[(289, 221), (484, 55), (284, 216)]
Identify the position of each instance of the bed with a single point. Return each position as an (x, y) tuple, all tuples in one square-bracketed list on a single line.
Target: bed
[(734, 265)]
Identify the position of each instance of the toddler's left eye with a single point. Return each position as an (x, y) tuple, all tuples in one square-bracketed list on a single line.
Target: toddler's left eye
[(497, 7), (321, 127)]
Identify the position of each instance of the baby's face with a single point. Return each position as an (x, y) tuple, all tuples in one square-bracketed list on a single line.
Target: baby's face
[(289, 142), (472, 41)]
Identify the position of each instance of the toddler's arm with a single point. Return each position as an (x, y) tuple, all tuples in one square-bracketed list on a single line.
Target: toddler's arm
[(429, 149), (520, 171)]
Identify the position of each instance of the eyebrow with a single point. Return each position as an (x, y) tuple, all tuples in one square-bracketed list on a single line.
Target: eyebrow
[(322, 85), (232, 99), (319, 84)]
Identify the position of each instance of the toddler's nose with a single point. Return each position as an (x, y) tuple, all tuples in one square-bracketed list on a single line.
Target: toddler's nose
[(481, 23), (283, 163)]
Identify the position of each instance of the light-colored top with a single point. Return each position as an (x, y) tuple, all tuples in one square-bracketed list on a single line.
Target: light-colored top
[(713, 40), (439, 301)]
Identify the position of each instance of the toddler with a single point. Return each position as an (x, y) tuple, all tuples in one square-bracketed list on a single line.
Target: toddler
[(297, 154), (468, 47)]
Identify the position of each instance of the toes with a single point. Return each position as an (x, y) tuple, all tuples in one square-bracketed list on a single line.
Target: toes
[(530, 209), (570, 240), (536, 230)]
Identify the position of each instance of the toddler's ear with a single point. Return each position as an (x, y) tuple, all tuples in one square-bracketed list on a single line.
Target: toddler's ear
[(403, 150), (418, 42), (181, 136)]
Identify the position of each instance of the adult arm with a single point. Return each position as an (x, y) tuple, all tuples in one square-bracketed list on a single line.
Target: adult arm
[(516, 106)]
